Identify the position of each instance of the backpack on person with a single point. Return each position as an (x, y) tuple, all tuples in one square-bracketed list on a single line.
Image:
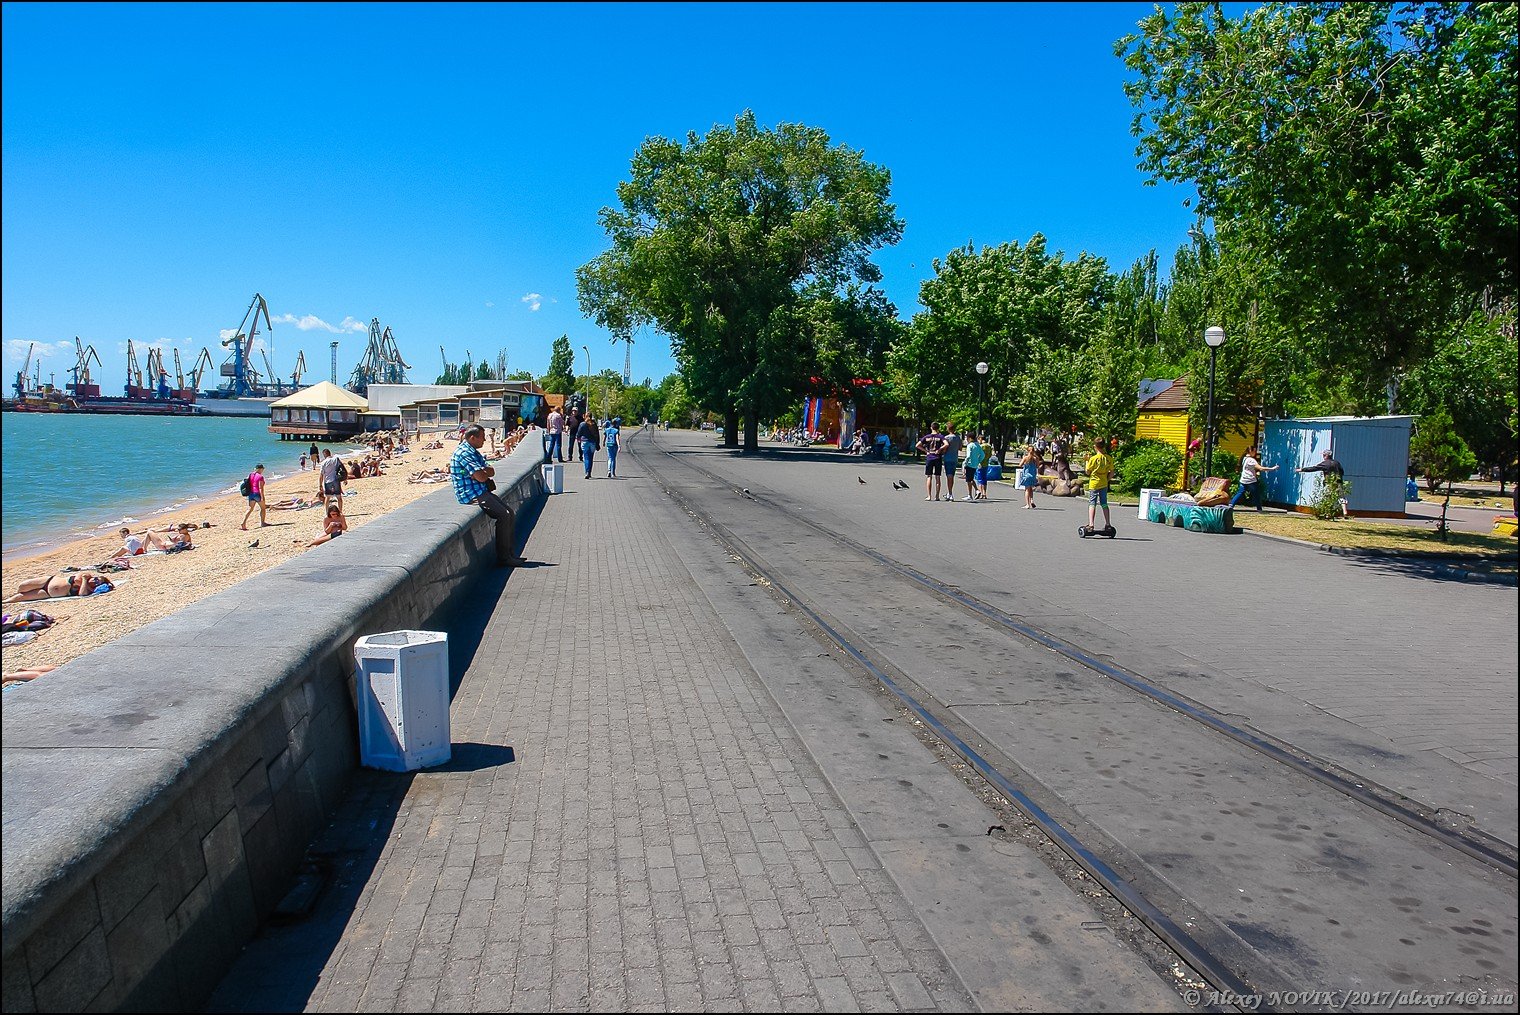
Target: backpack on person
[(342, 471), (246, 486)]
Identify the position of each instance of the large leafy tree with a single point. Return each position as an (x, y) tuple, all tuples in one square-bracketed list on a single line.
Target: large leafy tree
[(1022, 309), (1363, 153), (719, 241), (560, 379)]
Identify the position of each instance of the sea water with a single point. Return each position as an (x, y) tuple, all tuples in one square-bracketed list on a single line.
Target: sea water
[(67, 476)]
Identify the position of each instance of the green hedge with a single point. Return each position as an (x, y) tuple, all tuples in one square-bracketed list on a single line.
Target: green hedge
[(1148, 464)]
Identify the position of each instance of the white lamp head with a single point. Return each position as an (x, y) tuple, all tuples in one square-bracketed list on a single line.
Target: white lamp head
[(1214, 337), (981, 368)]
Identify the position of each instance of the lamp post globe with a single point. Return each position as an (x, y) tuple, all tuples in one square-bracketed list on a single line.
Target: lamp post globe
[(1213, 338), (981, 398)]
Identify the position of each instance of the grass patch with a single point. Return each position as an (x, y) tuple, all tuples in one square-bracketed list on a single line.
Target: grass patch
[(1493, 501), (1362, 534)]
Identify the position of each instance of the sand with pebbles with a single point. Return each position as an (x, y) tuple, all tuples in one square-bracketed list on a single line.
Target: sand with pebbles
[(160, 584)]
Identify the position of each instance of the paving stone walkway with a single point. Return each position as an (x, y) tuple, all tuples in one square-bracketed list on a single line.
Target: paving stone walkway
[(629, 823)]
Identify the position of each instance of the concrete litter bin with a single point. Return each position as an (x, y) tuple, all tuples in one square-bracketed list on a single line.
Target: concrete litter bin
[(401, 683), (1145, 502), (554, 478)]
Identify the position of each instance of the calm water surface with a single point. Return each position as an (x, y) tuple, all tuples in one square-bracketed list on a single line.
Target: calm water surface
[(68, 476)]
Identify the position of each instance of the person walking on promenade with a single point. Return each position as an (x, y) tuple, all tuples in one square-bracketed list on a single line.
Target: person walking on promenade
[(953, 444), (610, 437), (1029, 474), (976, 459), (572, 427), (556, 448), (473, 485), (589, 440), (333, 475), (255, 497), (1099, 467), (932, 444), (1250, 478)]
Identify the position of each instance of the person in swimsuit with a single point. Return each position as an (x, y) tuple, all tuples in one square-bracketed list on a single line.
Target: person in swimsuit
[(333, 526), (132, 546), (56, 586)]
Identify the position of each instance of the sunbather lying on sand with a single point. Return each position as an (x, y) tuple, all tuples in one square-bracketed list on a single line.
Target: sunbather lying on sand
[(132, 545), (29, 673), (292, 504), (57, 586)]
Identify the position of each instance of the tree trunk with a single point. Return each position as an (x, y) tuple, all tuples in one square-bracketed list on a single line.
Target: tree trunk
[(751, 432), (730, 428)]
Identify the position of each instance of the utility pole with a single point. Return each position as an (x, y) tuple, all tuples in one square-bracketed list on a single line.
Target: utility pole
[(335, 362)]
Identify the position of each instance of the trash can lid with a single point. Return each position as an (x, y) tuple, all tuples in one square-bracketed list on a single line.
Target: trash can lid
[(394, 639)]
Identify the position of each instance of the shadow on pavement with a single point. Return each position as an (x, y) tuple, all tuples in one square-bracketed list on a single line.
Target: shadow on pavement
[(1440, 570)]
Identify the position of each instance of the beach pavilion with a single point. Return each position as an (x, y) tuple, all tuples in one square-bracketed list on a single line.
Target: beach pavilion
[(322, 412)]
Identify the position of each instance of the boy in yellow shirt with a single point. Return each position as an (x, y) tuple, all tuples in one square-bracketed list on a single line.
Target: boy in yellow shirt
[(1099, 468)]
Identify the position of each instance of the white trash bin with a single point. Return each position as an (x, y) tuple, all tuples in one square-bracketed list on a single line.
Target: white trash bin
[(1145, 502), (554, 478), (401, 682)]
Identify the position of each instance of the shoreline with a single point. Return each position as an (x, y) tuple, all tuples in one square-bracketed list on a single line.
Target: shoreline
[(161, 584)]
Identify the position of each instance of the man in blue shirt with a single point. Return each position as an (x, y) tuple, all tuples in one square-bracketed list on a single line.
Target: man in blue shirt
[(473, 485)]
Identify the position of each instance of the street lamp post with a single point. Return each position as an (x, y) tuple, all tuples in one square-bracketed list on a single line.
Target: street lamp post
[(1213, 338), (981, 399), (587, 350)]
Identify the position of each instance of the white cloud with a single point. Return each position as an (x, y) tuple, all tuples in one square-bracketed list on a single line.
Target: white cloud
[(311, 322), (224, 334), (489, 303), (533, 300), (18, 347)]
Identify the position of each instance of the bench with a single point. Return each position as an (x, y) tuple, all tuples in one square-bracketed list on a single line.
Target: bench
[(1185, 514)]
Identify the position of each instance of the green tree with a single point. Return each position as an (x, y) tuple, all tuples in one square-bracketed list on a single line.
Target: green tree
[(1026, 312), (715, 242), (1361, 155), (560, 380), (1441, 455), (1472, 373)]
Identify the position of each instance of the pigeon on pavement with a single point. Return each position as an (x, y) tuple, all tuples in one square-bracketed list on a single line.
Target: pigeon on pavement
[(860, 481)]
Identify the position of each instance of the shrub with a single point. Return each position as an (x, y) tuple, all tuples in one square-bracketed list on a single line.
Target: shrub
[(1226, 466), (1148, 463), (1326, 504)]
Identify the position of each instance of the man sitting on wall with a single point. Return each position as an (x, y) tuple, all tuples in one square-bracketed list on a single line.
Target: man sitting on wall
[(473, 485)]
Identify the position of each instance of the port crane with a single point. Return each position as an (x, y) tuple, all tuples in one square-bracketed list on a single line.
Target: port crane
[(198, 368), (300, 368), (158, 375), (244, 377), (381, 363), (134, 372), (81, 371), (21, 376)]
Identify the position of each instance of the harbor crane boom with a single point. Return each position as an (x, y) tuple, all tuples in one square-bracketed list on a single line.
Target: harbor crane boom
[(300, 368), (199, 367), (21, 377), (179, 373), (81, 370), (242, 346), (134, 371)]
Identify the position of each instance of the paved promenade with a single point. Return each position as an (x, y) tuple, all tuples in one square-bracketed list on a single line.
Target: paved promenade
[(630, 822)]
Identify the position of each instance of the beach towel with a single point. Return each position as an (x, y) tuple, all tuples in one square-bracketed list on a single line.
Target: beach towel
[(102, 589), (25, 620), (10, 639)]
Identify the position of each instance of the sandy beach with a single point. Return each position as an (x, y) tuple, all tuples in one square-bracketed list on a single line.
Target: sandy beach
[(160, 584)]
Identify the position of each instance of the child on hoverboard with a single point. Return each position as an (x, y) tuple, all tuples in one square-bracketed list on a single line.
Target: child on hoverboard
[(1099, 468)]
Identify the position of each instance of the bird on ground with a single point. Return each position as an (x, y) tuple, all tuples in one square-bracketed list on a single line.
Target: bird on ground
[(253, 545), (860, 481)]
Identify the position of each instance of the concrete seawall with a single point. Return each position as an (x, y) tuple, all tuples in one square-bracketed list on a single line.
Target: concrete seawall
[(160, 791)]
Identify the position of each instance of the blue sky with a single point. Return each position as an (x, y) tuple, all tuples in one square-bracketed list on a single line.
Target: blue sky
[(441, 167)]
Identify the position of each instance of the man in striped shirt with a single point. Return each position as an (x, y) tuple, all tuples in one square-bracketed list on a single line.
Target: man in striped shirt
[(473, 485)]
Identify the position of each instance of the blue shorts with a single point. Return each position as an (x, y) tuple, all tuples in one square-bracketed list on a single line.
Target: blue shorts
[(950, 466), (981, 475), (253, 498), (1098, 496)]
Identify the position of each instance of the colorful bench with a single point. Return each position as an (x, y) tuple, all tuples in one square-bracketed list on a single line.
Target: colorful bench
[(1185, 514)]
